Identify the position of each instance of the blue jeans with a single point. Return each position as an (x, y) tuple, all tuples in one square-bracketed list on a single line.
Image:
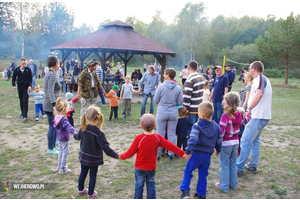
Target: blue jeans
[(194, 119), (218, 111), (93, 177), (101, 96), (51, 132), (38, 108), (63, 85), (227, 172), (33, 80), (145, 98), (250, 143), (202, 162), (140, 177)]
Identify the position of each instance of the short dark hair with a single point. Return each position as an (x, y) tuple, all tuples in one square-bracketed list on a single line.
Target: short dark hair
[(193, 64), (258, 65), (23, 59), (51, 61), (171, 72)]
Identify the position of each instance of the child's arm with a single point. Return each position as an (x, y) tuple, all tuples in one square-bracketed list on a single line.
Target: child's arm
[(193, 140), (77, 136), (110, 94), (105, 146), (223, 124), (166, 144), (218, 145), (67, 126), (121, 93), (132, 150), (75, 100)]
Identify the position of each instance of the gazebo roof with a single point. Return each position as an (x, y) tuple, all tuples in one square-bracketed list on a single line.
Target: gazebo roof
[(117, 37)]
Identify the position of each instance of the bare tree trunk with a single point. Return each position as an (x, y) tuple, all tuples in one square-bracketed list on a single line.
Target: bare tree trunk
[(286, 71), (12, 46)]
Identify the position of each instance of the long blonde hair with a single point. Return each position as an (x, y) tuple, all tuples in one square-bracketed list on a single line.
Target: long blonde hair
[(92, 114), (61, 106), (233, 101)]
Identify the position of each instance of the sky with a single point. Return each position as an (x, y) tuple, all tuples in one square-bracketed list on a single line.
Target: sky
[(94, 12)]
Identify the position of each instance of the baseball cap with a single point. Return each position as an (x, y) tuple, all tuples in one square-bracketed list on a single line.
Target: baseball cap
[(148, 122), (218, 66), (115, 87), (68, 95), (228, 65)]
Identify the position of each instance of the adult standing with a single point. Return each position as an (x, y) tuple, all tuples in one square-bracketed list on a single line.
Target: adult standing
[(220, 88), (119, 66), (23, 76), (51, 91), (140, 75), (34, 71), (12, 65), (99, 73), (68, 66), (151, 80), (61, 77), (208, 77), (193, 91), (168, 96), (145, 67), (72, 67), (184, 74), (88, 84), (259, 106), (230, 75)]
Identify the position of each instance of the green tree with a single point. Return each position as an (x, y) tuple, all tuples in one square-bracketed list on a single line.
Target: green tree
[(281, 42)]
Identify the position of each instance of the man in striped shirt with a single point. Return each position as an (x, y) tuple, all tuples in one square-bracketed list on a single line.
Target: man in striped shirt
[(193, 91)]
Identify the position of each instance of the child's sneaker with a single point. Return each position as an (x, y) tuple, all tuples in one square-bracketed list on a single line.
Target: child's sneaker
[(253, 170), (65, 171), (36, 119), (44, 116), (93, 195), (84, 191), (53, 151), (185, 194), (123, 116)]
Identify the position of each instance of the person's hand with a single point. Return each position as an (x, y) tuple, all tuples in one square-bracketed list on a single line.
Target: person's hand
[(14, 87), (29, 88), (78, 96), (186, 157), (121, 98), (217, 153), (247, 113), (104, 93), (139, 91)]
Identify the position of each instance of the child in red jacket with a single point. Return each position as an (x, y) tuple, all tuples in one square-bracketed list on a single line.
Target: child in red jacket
[(145, 146), (71, 101)]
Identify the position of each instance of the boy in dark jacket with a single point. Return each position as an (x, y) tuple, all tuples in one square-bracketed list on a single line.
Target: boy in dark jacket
[(204, 138)]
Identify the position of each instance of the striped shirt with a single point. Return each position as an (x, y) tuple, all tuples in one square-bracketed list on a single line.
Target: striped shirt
[(38, 96), (99, 72), (193, 92)]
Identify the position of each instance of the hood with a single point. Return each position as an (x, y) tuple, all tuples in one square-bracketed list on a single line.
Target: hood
[(170, 84), (57, 120), (238, 118), (209, 128)]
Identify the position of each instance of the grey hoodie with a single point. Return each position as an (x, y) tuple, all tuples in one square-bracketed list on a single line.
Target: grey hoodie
[(168, 96)]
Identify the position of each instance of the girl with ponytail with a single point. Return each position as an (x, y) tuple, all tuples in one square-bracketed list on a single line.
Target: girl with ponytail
[(92, 144)]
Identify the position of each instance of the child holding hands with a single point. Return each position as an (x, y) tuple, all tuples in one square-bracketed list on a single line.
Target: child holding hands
[(63, 130), (204, 138), (145, 146), (230, 123), (113, 98), (71, 101), (126, 96), (92, 144), (183, 126), (38, 101)]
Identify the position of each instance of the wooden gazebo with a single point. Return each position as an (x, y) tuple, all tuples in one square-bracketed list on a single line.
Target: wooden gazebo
[(115, 38)]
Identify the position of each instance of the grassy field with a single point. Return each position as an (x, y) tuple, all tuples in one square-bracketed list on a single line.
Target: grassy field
[(23, 157)]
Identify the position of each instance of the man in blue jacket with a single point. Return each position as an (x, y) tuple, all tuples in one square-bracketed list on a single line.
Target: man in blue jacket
[(230, 75), (34, 71)]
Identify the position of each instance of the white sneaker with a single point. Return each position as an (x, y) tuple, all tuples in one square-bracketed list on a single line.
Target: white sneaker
[(36, 119), (44, 116)]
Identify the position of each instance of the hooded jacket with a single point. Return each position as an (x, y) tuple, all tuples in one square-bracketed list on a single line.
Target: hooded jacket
[(231, 127), (63, 128), (204, 138), (168, 96)]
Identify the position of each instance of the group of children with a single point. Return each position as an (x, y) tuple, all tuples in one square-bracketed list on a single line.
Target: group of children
[(205, 136)]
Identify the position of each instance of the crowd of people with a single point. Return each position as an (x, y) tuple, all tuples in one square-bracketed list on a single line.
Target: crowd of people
[(212, 119)]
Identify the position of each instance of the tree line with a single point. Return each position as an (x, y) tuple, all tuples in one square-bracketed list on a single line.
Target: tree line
[(31, 29)]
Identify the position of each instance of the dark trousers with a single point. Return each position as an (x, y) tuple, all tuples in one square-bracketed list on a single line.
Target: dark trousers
[(182, 141), (71, 120), (183, 81), (93, 177), (113, 110), (23, 96)]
